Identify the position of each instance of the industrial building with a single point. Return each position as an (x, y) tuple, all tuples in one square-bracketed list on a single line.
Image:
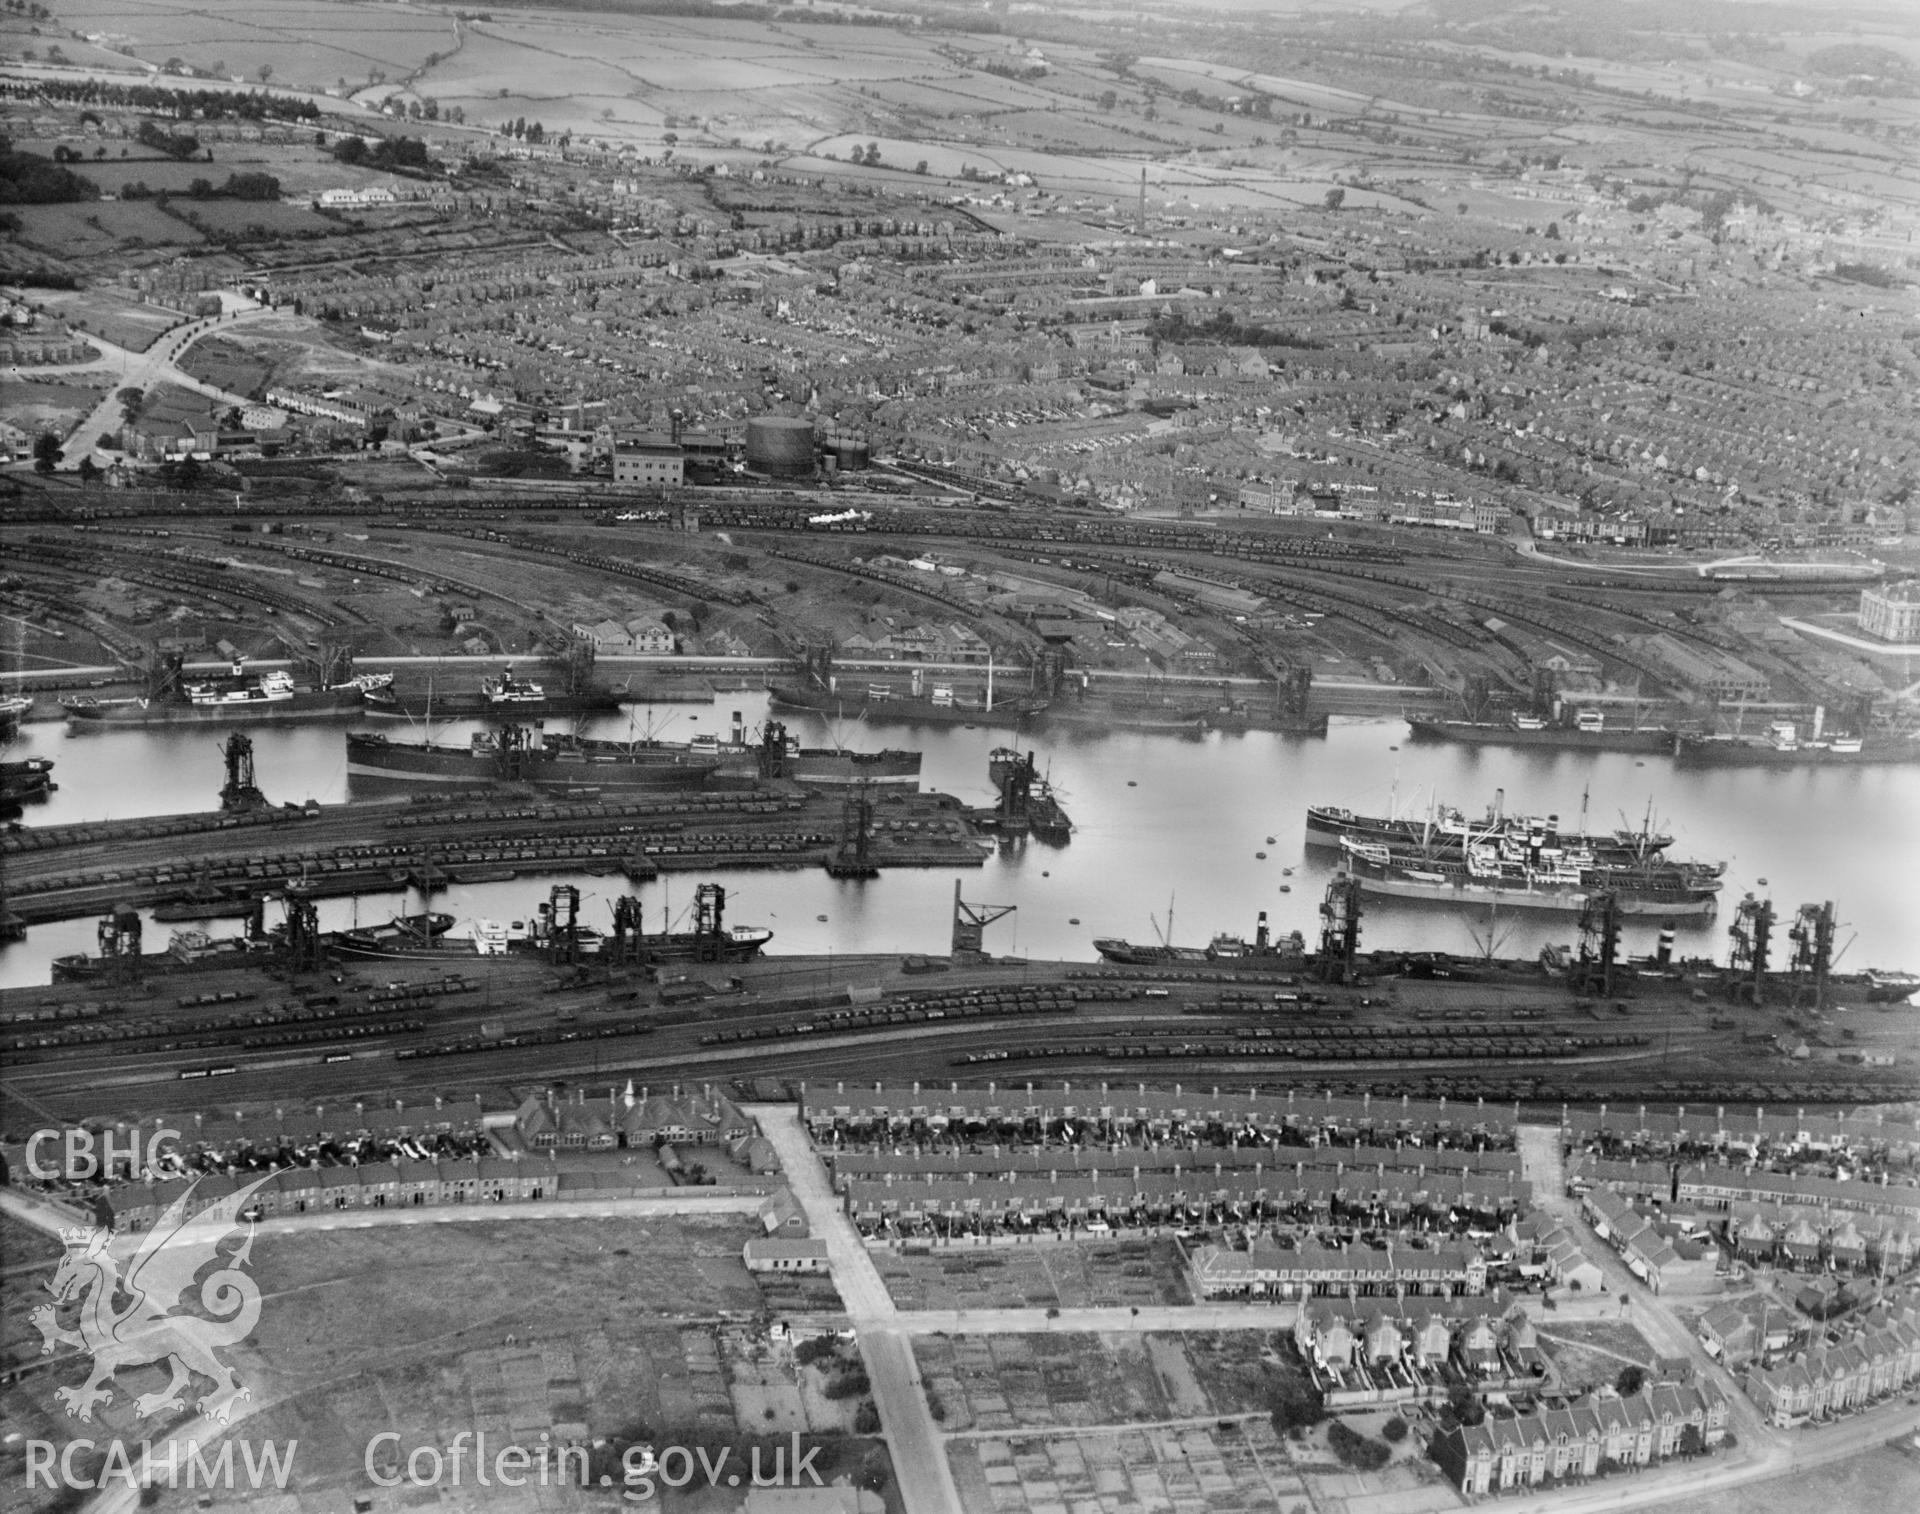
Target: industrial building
[(1892, 612)]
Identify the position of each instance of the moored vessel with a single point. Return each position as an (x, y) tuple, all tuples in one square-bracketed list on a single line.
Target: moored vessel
[(514, 755), (1526, 874)]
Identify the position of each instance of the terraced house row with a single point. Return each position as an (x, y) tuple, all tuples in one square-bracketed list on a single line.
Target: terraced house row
[(402, 1183), (1881, 1355), (1301, 1268), (1589, 1438), (1201, 1193), (1741, 1132), (1123, 1112)]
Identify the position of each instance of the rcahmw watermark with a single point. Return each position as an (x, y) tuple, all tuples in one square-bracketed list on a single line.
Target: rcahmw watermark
[(263, 1464)]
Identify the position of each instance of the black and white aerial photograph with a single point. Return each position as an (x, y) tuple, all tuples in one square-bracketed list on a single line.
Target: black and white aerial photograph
[(959, 756)]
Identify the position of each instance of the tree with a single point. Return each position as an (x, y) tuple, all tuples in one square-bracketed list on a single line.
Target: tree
[(1394, 1430), (89, 471), (1335, 198), (1631, 1380), (1108, 99), (873, 154), (1294, 1403), (264, 72), (920, 167), (47, 452), (1553, 231)]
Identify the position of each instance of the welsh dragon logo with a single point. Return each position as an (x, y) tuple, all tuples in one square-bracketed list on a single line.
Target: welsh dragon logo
[(145, 1328)]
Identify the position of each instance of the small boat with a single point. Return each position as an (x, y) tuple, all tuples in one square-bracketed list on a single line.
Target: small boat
[(1261, 855), (1286, 872), (821, 918), (1269, 841), (1286, 888), (1073, 919), (1131, 784)]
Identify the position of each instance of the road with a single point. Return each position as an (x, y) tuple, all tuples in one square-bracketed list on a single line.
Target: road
[(919, 1457), (158, 364)]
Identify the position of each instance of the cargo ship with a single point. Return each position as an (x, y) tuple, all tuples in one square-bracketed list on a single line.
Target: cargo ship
[(778, 754), (515, 755), (1782, 745), (1520, 873), (399, 936), (1447, 828), (237, 697), (1885, 987), (1587, 730), (24, 781), (1226, 949), (940, 706), (504, 697), (1028, 805)]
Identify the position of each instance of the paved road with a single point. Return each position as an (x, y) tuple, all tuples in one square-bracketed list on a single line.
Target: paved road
[(158, 364), (919, 1456)]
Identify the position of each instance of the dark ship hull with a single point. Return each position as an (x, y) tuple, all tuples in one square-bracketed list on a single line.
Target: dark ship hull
[(480, 707), (919, 710), (308, 704), (1756, 751), (552, 766), (1504, 733)]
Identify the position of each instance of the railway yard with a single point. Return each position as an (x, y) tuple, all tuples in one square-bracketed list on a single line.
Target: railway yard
[(413, 1027), (1374, 618)]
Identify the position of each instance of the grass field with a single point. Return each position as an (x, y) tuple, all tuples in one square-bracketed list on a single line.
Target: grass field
[(303, 44), (90, 230)]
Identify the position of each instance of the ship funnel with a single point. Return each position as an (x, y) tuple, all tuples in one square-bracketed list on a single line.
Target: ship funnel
[(1666, 947), (739, 729)]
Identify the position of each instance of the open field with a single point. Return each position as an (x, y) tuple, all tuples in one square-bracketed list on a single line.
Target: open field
[(1879, 1479), (1034, 1382), (93, 229), (301, 44), (1233, 1466), (1070, 1276)]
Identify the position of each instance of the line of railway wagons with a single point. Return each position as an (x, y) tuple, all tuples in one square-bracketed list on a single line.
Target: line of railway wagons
[(1325, 1045)]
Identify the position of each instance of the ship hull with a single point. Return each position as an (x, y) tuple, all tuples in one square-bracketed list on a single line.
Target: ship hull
[(827, 769), (1328, 828), (1127, 954), (479, 707), (1568, 900), (1706, 752), (1491, 733), (315, 704), (376, 757), (909, 711)]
